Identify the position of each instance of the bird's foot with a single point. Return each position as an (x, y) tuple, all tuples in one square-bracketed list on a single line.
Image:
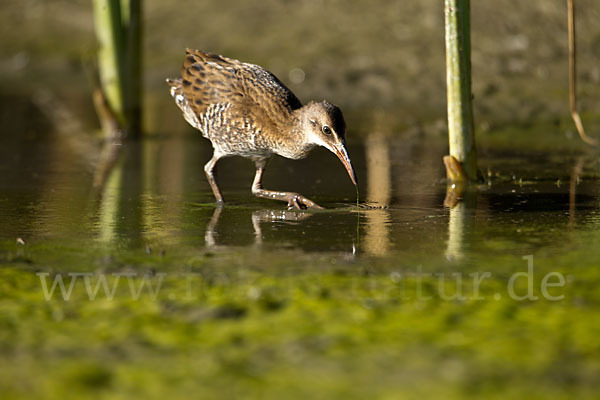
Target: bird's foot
[(300, 202)]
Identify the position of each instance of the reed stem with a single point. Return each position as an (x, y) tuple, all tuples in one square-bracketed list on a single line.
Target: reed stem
[(119, 31), (458, 82)]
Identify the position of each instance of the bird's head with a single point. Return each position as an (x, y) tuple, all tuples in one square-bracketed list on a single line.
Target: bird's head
[(323, 125)]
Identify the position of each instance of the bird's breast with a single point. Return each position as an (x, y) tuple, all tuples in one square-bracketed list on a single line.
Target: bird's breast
[(295, 151)]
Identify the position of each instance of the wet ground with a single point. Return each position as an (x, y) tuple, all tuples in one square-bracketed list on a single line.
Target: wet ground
[(401, 294)]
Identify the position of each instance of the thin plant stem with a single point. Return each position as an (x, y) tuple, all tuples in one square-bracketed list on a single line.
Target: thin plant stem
[(458, 82), (109, 33), (573, 76)]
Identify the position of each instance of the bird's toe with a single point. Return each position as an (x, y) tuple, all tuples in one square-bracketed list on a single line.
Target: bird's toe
[(295, 201), (302, 203)]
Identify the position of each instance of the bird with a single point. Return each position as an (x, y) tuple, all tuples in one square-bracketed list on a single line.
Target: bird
[(245, 110)]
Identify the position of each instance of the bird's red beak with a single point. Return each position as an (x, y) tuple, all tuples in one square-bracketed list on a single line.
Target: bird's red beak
[(342, 153)]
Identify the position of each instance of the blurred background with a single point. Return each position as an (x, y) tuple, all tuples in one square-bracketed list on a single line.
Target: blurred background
[(362, 56)]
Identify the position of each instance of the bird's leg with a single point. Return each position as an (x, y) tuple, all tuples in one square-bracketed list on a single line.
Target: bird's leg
[(294, 200), (208, 169), (210, 234), (257, 229)]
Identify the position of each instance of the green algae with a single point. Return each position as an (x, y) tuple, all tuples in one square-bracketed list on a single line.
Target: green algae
[(285, 324)]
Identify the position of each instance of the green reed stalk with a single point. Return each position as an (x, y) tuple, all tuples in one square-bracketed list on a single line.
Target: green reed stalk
[(458, 83), (118, 31), (110, 36)]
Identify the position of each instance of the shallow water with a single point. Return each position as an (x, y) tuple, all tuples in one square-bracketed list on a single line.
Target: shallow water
[(158, 198), (254, 300)]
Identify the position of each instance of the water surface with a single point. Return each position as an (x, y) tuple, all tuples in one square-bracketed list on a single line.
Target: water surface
[(158, 197), (402, 294)]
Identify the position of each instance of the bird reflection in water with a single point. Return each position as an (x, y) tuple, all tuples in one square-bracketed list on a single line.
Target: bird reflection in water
[(258, 218)]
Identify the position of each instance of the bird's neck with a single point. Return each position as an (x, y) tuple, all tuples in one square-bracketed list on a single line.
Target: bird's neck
[(294, 142)]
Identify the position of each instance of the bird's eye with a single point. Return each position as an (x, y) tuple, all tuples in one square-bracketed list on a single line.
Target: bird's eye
[(326, 130)]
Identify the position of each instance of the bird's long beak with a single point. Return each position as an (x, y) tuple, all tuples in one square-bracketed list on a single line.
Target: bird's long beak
[(342, 153)]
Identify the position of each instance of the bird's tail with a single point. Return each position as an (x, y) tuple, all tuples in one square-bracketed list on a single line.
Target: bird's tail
[(175, 85)]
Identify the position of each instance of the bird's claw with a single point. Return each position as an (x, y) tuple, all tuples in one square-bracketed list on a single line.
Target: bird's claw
[(302, 203)]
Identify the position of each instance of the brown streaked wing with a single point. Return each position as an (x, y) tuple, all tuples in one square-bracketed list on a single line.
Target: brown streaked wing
[(205, 80), (209, 79)]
